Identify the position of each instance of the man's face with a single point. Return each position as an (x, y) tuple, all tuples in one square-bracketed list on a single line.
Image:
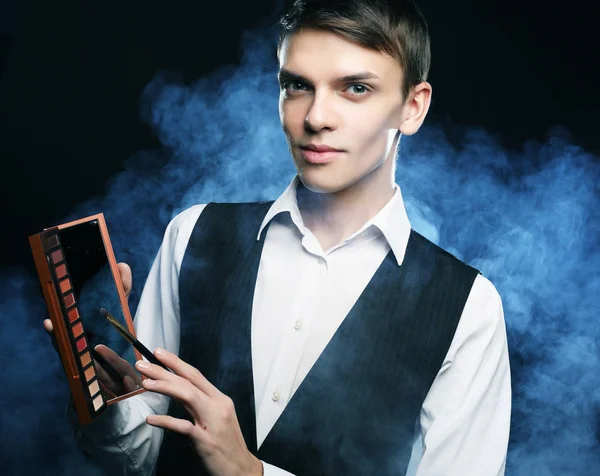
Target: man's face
[(319, 106)]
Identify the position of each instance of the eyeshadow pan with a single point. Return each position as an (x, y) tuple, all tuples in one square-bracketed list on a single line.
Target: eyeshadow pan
[(73, 314), (65, 285), (77, 330), (69, 300), (85, 359), (57, 256), (81, 344), (94, 388), (97, 402), (61, 271), (52, 241), (89, 373)]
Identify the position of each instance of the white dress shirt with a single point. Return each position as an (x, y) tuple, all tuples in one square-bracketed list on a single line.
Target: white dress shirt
[(464, 422)]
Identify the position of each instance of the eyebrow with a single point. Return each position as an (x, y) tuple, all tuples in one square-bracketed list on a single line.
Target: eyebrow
[(286, 75)]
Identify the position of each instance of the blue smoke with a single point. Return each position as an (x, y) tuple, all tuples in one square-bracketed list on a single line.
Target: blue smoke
[(528, 220)]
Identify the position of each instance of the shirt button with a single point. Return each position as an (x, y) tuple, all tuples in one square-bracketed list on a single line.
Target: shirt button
[(276, 396), (298, 325)]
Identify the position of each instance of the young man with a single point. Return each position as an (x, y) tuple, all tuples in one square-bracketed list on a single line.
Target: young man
[(314, 332)]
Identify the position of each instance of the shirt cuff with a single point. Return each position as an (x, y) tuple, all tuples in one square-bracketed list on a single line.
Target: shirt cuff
[(271, 470)]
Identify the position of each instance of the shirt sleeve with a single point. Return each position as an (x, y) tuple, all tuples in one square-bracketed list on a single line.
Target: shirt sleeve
[(465, 418), (120, 441)]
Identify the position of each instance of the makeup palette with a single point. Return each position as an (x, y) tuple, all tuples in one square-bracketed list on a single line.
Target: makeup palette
[(78, 274)]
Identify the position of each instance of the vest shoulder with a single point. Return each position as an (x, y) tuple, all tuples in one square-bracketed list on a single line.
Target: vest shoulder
[(238, 205), (430, 247), (242, 212), (184, 220)]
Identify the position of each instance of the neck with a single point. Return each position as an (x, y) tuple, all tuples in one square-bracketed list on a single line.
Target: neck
[(332, 217)]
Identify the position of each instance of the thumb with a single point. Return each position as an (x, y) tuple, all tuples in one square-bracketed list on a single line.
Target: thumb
[(126, 278)]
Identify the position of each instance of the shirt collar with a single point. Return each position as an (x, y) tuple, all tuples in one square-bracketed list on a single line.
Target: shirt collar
[(391, 220), (285, 203)]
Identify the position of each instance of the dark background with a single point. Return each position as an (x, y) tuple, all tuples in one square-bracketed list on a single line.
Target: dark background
[(72, 73)]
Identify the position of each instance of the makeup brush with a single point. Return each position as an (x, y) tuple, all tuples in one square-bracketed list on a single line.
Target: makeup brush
[(132, 340), (143, 350)]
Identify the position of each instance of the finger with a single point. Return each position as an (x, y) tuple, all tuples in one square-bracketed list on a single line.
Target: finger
[(184, 427), (126, 277), (166, 382), (195, 402), (186, 371), (120, 365)]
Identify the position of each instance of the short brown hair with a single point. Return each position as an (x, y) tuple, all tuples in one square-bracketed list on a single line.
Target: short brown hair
[(395, 27)]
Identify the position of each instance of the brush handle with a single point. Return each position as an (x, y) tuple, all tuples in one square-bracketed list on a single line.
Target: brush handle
[(149, 355)]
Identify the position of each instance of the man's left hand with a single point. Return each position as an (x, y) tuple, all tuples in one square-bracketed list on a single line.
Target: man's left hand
[(215, 432)]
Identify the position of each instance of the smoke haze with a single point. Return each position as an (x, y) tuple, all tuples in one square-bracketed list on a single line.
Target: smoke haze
[(527, 219)]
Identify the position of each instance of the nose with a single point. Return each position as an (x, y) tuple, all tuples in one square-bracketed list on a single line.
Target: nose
[(321, 114)]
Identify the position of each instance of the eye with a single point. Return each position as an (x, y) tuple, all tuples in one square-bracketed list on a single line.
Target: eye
[(293, 85), (359, 89)]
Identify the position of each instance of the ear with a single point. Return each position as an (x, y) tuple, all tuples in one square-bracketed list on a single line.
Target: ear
[(415, 108)]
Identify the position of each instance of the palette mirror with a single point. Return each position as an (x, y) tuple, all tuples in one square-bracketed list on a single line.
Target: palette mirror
[(93, 287)]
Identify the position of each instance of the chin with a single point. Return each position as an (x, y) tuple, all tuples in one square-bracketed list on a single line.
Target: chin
[(323, 181)]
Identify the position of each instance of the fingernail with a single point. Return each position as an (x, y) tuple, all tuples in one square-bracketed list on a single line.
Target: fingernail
[(160, 351), (140, 364), (148, 382)]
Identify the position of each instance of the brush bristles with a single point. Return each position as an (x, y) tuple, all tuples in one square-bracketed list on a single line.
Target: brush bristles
[(117, 324)]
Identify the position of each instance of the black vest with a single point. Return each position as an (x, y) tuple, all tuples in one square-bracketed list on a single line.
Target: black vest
[(354, 414)]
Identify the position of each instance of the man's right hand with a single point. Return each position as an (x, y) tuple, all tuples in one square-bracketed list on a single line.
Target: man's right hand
[(130, 378)]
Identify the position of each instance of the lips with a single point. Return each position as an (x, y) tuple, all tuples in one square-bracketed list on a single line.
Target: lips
[(319, 148), (315, 157)]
